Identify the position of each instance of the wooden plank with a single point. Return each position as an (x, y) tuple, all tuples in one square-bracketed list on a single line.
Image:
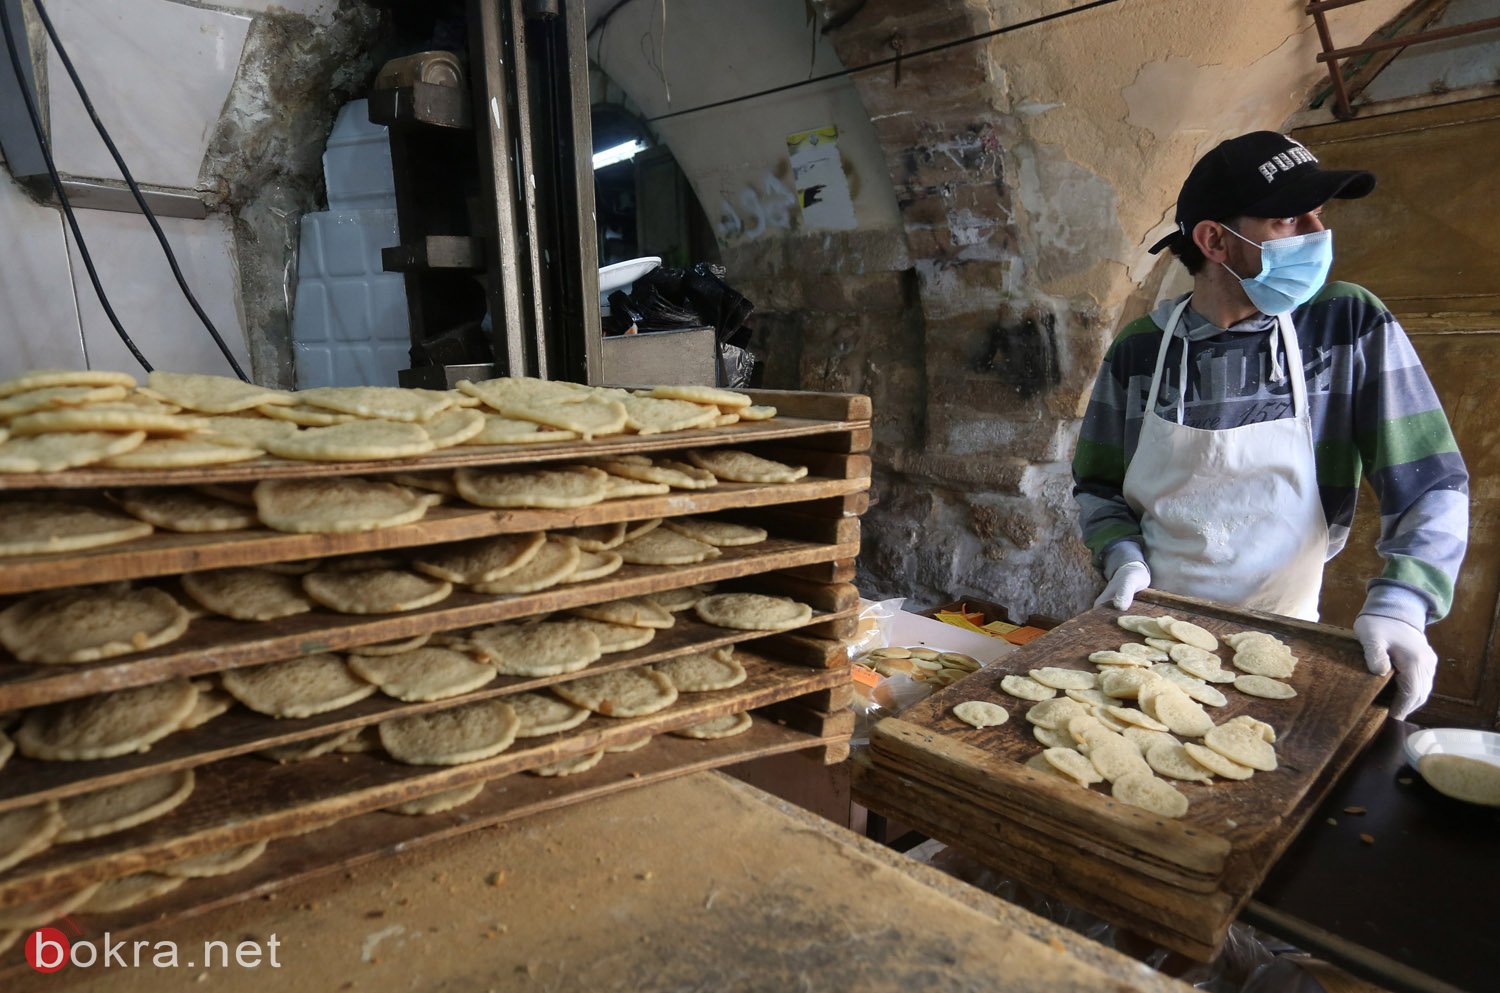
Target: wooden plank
[(931, 813), (856, 440), (819, 406), (832, 597), (802, 649), (839, 629), (254, 470), (213, 644), (166, 553), (822, 723), (240, 800), (244, 732), (830, 530), (366, 838), (832, 465), (841, 571)]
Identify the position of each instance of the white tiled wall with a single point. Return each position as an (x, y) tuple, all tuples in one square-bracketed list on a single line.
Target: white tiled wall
[(38, 316), (141, 289), (158, 74)]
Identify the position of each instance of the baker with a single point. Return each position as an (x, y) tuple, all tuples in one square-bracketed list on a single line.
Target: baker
[(1223, 446)]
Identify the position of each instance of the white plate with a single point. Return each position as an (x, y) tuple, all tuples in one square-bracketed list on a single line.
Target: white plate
[(622, 274), (1482, 745)]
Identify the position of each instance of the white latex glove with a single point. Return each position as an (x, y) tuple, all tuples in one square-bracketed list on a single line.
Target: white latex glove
[(1128, 580), (1388, 642)]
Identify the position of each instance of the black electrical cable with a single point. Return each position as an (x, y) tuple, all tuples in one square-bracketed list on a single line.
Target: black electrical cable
[(879, 63), (140, 200), (62, 196)]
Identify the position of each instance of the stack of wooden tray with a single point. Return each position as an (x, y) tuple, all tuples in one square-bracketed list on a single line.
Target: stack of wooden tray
[(324, 814), (1177, 882)]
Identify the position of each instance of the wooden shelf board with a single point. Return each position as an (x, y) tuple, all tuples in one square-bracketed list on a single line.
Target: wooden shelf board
[(268, 467), (359, 840), (164, 553), (241, 731), (213, 644), (240, 800)]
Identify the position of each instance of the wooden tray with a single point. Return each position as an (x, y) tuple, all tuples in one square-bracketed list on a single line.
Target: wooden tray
[(213, 644), (165, 553), (241, 731), (239, 800), (359, 840), (1190, 874)]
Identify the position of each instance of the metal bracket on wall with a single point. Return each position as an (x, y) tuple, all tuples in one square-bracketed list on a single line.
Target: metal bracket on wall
[(23, 153)]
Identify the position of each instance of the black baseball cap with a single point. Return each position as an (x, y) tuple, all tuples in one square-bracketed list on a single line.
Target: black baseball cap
[(1260, 174)]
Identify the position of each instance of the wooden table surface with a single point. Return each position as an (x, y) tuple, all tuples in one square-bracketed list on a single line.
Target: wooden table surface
[(700, 883)]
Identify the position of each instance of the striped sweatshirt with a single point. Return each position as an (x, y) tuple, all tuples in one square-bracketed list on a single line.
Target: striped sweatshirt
[(1374, 413)]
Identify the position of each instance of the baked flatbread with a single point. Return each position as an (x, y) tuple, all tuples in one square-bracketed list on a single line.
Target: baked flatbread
[(219, 863), (391, 403), (548, 648), (26, 831), (56, 451), (39, 379), (567, 767), (703, 672), (375, 591), (625, 693), (543, 713), (451, 737), (554, 563), (212, 394), (718, 533), (58, 396), (313, 684), (107, 724), (177, 508), (598, 538), (573, 486), (752, 612), (90, 623), (36, 527), (422, 674), (481, 560), (129, 891), (335, 506), (247, 594), (116, 808), (615, 637), (595, 565), (742, 467), (454, 427), (633, 611), (436, 803), (356, 441), (663, 547)]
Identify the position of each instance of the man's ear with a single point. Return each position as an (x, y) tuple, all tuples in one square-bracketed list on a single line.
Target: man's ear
[(1211, 240)]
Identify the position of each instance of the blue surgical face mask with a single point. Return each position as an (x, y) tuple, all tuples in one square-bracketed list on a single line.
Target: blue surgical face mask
[(1292, 270)]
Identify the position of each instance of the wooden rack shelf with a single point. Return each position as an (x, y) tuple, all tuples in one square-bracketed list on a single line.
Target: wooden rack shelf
[(213, 644), (245, 799), (326, 813), (165, 553), (242, 731), (462, 456)]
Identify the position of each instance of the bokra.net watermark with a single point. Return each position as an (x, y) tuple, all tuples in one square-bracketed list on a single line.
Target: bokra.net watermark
[(50, 950)]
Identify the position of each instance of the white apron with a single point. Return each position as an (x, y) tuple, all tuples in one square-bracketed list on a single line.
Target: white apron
[(1232, 515)]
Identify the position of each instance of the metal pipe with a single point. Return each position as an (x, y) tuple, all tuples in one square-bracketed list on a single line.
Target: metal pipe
[(1473, 27), (1317, 5), (1341, 109)]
